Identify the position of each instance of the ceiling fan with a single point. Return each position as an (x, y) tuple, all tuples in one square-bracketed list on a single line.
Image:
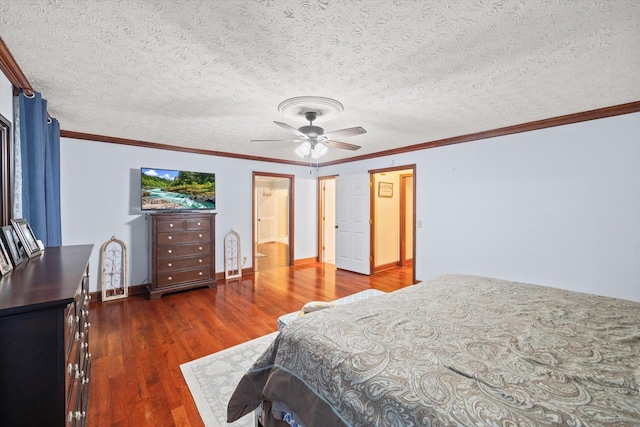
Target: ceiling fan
[(314, 140)]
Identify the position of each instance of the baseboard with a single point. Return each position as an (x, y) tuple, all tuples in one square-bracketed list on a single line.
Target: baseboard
[(142, 289), (385, 266), (303, 261), (133, 290)]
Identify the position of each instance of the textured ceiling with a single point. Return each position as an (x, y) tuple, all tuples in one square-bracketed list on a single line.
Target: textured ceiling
[(210, 74)]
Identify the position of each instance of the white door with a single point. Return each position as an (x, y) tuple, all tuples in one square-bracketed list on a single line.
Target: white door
[(266, 215), (353, 232), (329, 220)]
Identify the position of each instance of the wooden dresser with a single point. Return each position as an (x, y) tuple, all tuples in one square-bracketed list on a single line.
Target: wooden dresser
[(182, 252), (45, 361)]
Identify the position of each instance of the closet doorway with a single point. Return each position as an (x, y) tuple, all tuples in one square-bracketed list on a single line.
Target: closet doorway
[(392, 211), (273, 203)]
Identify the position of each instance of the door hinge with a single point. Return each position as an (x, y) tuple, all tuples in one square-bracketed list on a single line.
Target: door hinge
[(370, 221), (370, 258)]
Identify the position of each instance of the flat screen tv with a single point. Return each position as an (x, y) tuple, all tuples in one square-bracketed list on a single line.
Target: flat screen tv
[(167, 189)]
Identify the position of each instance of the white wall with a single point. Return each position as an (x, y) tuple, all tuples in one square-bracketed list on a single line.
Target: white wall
[(558, 206), (100, 198)]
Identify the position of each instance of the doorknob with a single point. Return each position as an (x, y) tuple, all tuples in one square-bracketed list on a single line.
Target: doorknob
[(336, 226)]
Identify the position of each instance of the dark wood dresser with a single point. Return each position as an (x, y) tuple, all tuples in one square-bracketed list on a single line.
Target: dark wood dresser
[(45, 361), (182, 252)]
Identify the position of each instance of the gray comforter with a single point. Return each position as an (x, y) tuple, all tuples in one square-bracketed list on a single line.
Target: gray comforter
[(456, 350)]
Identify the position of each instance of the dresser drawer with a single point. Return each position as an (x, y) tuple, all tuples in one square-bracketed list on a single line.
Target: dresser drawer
[(184, 237), (73, 405), (72, 369), (169, 279), (170, 251), (70, 327), (171, 225), (198, 224), (176, 264)]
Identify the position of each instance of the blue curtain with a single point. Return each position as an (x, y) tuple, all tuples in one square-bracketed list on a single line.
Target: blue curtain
[(40, 152)]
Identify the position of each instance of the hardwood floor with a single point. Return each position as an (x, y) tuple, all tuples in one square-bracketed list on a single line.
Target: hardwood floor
[(137, 345), (273, 254)]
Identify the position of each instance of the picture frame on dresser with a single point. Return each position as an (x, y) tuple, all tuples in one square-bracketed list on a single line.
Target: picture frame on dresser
[(26, 236), (12, 244), (5, 262)]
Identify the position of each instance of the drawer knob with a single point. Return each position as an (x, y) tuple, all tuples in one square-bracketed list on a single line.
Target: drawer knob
[(200, 273), (199, 223), (200, 235), (200, 261), (200, 248), (171, 225), (170, 238), (169, 265), (169, 251), (169, 278), (87, 324)]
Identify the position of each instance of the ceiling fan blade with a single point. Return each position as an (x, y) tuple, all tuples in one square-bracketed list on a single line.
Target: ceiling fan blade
[(345, 132), (276, 140), (291, 129), (344, 145)]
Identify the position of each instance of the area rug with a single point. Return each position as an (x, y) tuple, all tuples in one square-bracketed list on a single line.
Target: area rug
[(212, 379)]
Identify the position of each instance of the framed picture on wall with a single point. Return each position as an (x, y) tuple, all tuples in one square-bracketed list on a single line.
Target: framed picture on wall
[(5, 262), (385, 189), (26, 236), (12, 244)]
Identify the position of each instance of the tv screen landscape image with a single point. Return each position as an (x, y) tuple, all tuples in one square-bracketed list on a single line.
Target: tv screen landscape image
[(167, 189)]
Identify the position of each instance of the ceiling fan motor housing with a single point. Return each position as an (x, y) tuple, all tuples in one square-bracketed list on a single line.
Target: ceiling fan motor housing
[(311, 131)]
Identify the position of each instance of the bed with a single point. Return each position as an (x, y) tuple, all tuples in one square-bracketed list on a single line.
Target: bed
[(455, 350)]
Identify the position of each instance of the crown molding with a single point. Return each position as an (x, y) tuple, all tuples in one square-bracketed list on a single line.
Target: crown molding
[(600, 113), (11, 69), (158, 146)]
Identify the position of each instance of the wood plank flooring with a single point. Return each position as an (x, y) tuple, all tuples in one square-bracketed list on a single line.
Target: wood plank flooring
[(275, 254), (137, 345)]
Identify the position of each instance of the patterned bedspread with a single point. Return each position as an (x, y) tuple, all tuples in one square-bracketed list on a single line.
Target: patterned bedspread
[(456, 350)]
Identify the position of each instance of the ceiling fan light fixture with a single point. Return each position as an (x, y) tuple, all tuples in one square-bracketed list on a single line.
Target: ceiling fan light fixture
[(319, 150), (303, 150)]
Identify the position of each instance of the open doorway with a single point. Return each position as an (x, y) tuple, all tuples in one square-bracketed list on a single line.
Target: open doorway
[(272, 220), (391, 208), (393, 215)]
